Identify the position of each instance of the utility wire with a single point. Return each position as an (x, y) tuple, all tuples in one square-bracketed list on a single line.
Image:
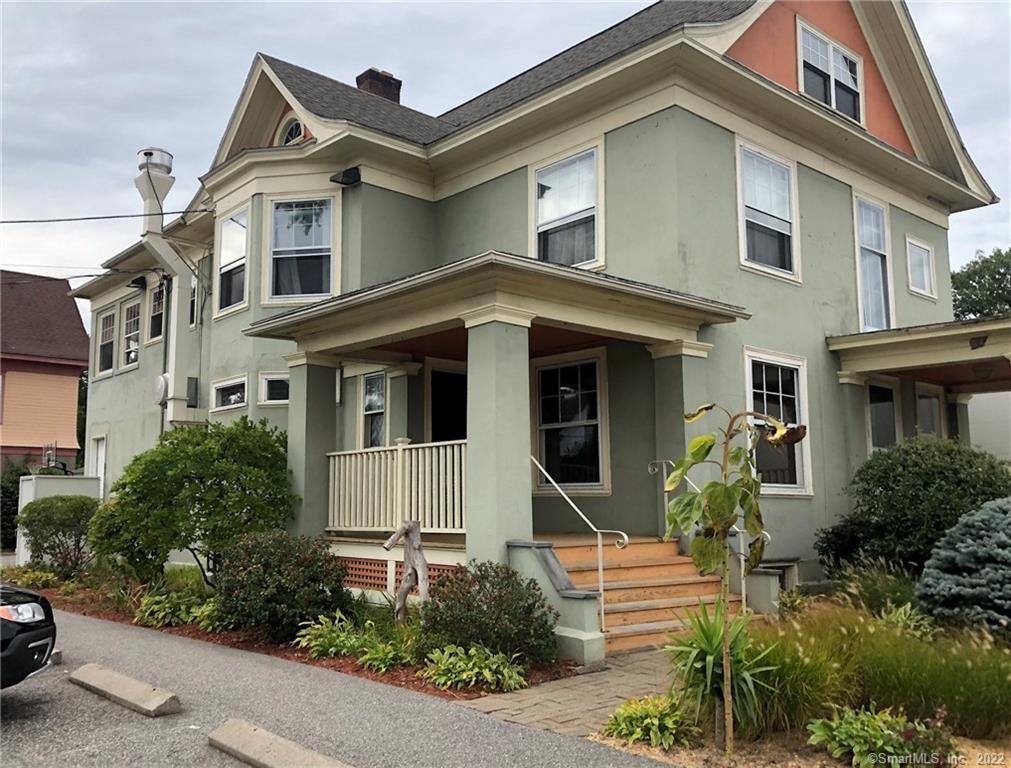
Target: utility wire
[(103, 218)]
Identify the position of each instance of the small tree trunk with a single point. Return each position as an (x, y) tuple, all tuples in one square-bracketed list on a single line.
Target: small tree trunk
[(728, 702), (415, 565), (719, 729)]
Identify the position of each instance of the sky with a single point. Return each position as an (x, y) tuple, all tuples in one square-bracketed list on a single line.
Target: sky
[(83, 86)]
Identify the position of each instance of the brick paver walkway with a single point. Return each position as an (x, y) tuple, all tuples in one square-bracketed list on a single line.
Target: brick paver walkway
[(580, 705)]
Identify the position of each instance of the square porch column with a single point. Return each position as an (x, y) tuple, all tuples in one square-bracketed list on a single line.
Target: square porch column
[(312, 433), (498, 500)]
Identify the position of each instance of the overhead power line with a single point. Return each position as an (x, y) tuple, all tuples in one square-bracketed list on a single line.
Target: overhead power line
[(103, 218)]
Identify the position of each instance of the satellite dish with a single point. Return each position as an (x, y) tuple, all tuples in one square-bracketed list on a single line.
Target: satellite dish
[(161, 389)]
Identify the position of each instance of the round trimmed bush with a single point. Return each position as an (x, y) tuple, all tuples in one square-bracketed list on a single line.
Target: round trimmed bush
[(489, 604), (272, 581), (967, 579), (56, 528), (905, 498)]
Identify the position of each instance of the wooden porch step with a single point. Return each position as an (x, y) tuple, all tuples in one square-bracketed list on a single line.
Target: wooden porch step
[(648, 549), (659, 589), (585, 574), (648, 634), (647, 611)]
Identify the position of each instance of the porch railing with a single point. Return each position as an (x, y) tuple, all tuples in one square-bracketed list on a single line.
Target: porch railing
[(376, 489)]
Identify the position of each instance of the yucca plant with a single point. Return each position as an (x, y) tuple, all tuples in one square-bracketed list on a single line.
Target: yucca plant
[(699, 661), (718, 505)]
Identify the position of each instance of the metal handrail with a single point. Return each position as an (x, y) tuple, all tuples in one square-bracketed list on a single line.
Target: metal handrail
[(660, 464), (620, 543)]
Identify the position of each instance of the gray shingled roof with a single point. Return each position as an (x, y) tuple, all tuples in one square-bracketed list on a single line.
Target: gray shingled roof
[(334, 100)]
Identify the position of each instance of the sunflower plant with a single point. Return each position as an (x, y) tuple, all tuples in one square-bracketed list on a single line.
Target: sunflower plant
[(715, 508)]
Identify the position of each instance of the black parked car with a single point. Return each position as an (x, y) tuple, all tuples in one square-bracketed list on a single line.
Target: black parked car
[(27, 634)]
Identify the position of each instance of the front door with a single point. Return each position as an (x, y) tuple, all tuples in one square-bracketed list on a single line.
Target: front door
[(449, 406)]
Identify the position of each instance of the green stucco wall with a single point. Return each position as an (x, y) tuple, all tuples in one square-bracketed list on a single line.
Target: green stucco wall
[(490, 216)]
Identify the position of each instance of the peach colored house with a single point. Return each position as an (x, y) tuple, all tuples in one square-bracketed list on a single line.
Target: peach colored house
[(43, 350)]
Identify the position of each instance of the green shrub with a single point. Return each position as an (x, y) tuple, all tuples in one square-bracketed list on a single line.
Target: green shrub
[(697, 659), (875, 584), (967, 579), (186, 579), (326, 637), (866, 735), (488, 604), (165, 609), (272, 581), (659, 721), (474, 667), (56, 529), (380, 655), (209, 616), (198, 489), (908, 619), (28, 577), (806, 677), (905, 498)]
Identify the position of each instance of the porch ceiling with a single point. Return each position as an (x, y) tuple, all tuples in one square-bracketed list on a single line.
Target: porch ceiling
[(590, 305), (963, 355)]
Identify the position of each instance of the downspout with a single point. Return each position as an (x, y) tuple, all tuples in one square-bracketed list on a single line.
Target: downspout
[(166, 284)]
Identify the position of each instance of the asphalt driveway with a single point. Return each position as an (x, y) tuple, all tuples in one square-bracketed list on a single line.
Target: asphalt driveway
[(47, 721)]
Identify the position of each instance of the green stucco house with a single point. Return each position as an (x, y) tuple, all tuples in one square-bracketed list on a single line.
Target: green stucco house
[(492, 320)]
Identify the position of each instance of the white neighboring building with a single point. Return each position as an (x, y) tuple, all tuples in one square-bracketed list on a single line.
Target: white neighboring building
[(990, 422)]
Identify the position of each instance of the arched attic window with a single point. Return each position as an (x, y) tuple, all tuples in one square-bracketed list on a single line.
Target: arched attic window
[(290, 132)]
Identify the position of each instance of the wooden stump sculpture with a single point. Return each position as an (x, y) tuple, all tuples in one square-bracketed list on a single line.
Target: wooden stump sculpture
[(415, 565)]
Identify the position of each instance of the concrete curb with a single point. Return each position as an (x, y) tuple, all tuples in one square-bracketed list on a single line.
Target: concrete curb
[(132, 694), (262, 749)]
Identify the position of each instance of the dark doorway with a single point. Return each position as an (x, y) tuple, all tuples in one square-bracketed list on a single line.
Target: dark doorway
[(449, 406)]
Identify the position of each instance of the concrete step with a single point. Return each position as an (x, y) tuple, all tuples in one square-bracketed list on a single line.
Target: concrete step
[(585, 574), (647, 611), (660, 589), (574, 554)]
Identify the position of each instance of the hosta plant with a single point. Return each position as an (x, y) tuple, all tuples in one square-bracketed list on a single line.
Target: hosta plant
[(476, 667), (660, 721), (908, 619), (327, 637), (168, 609)]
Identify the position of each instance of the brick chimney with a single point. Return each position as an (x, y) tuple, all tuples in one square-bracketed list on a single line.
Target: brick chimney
[(379, 82)]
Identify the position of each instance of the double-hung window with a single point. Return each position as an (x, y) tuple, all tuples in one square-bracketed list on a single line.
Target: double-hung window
[(883, 415), (131, 333), (300, 255), (830, 73), (767, 197), (777, 388), (872, 244), (920, 257), (569, 411), (106, 342), (156, 316), (374, 410), (232, 260), (566, 210)]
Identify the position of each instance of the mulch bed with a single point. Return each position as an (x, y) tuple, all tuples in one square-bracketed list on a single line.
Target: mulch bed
[(89, 604)]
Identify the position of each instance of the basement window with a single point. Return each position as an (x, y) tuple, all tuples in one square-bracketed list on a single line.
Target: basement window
[(830, 73)]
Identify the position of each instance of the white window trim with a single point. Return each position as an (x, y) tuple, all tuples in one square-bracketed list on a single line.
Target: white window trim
[(794, 277), (286, 120), (120, 365), (885, 382), (806, 487), (541, 487), (266, 262), (929, 248), (597, 145), (437, 364), (889, 272), (91, 462), (850, 53), (360, 401), (261, 389), (219, 384), (923, 388), (114, 311), (217, 313), (148, 338)]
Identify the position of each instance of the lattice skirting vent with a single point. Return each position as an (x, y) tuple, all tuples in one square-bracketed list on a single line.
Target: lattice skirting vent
[(435, 570), (376, 574)]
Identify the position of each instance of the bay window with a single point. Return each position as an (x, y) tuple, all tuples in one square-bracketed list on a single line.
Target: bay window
[(300, 255), (566, 210), (233, 244), (872, 247)]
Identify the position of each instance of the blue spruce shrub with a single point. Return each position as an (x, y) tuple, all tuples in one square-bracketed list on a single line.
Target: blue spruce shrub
[(967, 579)]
